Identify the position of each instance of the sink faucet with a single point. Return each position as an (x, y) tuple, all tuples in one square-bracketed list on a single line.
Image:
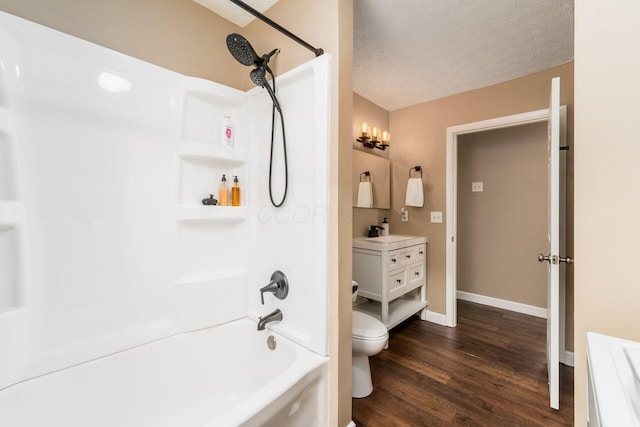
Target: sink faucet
[(271, 317), (374, 230)]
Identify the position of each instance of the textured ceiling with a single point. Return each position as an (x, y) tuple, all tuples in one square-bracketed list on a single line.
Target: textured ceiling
[(412, 51)]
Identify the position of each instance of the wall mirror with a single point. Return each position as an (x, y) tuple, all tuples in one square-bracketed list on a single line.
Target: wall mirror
[(379, 175)]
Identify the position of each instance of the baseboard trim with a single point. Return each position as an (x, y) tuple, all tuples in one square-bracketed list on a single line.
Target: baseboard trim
[(500, 303), (437, 318), (568, 359)]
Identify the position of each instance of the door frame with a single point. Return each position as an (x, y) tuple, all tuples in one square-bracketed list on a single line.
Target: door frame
[(451, 316)]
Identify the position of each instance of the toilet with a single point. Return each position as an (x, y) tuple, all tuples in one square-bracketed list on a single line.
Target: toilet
[(369, 337)]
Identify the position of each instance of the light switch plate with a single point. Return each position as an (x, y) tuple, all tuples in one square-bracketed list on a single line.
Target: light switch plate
[(436, 217), (477, 187)]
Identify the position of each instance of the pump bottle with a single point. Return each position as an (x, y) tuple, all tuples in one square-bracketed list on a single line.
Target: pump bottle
[(235, 192), (385, 227), (224, 192)]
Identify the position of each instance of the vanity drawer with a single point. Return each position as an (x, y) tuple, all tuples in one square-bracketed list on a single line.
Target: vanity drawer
[(400, 257), (415, 273), (397, 284), (415, 277)]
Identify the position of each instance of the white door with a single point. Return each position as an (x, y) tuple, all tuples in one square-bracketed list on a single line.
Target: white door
[(553, 273)]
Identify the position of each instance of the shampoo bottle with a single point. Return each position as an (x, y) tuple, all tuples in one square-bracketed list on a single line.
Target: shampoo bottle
[(385, 227), (235, 192), (226, 137), (224, 192)]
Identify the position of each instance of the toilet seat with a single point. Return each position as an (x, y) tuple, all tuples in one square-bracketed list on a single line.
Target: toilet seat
[(367, 328)]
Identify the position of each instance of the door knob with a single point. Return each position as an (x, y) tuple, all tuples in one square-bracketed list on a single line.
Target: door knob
[(555, 259), (543, 258)]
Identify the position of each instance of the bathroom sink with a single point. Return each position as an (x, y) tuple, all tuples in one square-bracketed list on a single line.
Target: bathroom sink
[(381, 243), (388, 239)]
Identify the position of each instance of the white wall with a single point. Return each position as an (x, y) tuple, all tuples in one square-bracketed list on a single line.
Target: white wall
[(292, 238)]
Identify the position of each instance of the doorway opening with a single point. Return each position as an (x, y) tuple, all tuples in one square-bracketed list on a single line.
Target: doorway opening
[(556, 118), (502, 218), (452, 191), (453, 133)]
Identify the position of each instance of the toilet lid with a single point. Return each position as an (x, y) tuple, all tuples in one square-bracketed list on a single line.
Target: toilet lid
[(366, 327)]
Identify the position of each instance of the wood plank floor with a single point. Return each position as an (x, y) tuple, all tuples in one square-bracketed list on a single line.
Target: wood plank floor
[(488, 371)]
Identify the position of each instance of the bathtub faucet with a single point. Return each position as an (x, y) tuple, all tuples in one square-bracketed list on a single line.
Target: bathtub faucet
[(278, 286), (271, 317)]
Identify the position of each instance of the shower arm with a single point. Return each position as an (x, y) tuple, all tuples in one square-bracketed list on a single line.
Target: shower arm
[(278, 27)]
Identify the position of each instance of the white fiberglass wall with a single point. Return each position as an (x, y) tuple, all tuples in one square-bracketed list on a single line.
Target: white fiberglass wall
[(104, 243), (292, 238)]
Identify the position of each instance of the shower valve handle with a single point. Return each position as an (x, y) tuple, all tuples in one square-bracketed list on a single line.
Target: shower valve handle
[(278, 286)]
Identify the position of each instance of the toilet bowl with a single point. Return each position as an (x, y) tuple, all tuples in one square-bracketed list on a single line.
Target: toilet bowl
[(368, 338)]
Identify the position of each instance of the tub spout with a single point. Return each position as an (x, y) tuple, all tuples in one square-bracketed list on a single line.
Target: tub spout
[(271, 317)]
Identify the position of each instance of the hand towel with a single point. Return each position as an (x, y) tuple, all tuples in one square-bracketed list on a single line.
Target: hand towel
[(365, 195), (415, 194)]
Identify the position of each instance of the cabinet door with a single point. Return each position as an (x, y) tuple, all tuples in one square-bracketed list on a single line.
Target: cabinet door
[(367, 271)]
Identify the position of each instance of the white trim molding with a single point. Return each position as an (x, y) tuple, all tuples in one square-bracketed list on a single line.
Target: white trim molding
[(568, 359), (351, 424), (437, 318), (531, 310)]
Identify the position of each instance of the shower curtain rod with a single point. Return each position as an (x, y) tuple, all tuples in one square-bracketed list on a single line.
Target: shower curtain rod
[(278, 27)]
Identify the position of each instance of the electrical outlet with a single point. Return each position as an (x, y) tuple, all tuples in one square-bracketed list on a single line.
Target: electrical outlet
[(477, 187), (436, 217), (405, 214)]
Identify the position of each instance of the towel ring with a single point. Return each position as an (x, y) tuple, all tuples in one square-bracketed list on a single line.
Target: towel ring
[(367, 176), (417, 169)]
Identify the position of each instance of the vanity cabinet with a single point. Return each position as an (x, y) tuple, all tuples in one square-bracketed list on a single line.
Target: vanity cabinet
[(391, 274)]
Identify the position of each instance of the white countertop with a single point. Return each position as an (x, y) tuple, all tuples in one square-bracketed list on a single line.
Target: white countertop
[(387, 243), (613, 366)]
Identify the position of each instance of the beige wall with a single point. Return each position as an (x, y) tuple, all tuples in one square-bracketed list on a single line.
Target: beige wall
[(607, 205), (419, 138), (366, 111), (183, 36), (501, 229)]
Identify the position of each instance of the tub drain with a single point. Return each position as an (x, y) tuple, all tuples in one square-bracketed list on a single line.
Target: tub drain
[(271, 342)]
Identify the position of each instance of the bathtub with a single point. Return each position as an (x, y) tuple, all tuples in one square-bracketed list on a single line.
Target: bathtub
[(222, 376)]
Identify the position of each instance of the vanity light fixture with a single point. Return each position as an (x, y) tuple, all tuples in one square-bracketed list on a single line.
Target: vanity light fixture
[(373, 141)]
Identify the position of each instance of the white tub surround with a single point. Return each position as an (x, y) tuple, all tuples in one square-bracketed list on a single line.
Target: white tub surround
[(294, 238), (104, 243)]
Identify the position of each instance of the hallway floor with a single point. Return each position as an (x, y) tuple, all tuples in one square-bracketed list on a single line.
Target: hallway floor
[(488, 371)]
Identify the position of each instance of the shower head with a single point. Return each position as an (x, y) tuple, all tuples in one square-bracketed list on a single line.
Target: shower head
[(242, 50), (244, 53), (259, 78)]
